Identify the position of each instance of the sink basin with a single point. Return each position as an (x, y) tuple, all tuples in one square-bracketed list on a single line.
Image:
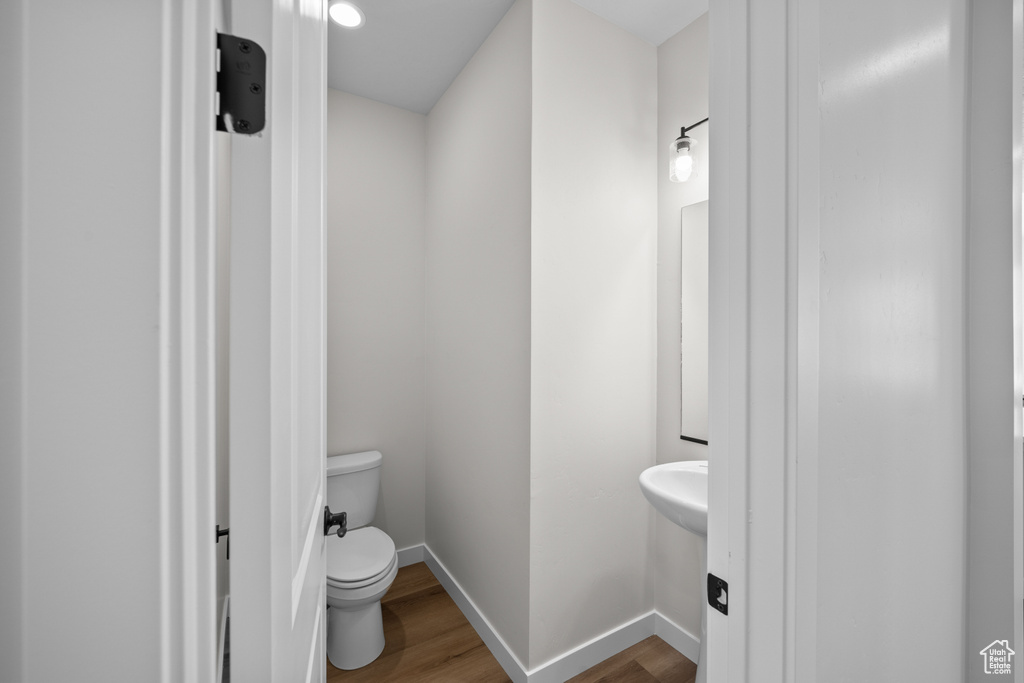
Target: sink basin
[(679, 490)]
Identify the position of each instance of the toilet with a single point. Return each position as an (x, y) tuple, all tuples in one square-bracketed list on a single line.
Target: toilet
[(361, 566)]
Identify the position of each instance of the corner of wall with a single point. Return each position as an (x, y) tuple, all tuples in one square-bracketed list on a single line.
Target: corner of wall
[(593, 325), (683, 99), (477, 325), (375, 231)]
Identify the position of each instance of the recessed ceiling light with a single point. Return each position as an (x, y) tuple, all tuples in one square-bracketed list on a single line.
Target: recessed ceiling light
[(346, 14)]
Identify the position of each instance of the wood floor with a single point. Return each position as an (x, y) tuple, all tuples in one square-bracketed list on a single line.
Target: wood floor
[(428, 639), (649, 661)]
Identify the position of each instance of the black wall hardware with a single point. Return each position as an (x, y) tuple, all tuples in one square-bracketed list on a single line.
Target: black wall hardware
[(693, 439), (689, 128), (718, 593), (338, 518), (242, 85), (224, 532)]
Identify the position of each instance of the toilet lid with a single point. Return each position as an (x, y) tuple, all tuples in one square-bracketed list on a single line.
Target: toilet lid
[(362, 554)]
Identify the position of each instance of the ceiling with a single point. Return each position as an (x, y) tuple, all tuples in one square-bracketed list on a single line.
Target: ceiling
[(652, 20), (409, 51)]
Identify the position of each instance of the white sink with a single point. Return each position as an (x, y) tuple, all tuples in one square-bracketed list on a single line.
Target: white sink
[(679, 490)]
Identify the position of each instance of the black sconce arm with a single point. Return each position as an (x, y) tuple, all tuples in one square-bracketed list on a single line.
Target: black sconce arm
[(682, 131)]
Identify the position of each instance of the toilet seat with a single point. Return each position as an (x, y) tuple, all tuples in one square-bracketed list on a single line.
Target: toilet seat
[(361, 558), (334, 583)]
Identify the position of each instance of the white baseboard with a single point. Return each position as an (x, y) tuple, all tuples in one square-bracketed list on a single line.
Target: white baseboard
[(508, 661), (407, 556), (593, 652), (574, 661), (684, 642)]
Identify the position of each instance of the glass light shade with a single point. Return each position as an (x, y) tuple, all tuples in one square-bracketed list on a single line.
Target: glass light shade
[(682, 162), (346, 14)]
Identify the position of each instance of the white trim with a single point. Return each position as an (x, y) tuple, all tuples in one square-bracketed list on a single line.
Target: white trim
[(728, 347), (508, 661), (412, 555), (171, 608), (594, 651), (187, 612), (684, 642), (568, 664)]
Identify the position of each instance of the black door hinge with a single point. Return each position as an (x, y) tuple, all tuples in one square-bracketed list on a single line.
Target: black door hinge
[(241, 85), (718, 593)]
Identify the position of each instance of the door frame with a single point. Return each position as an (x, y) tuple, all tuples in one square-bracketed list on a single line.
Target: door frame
[(753, 61), (188, 420), (188, 594)]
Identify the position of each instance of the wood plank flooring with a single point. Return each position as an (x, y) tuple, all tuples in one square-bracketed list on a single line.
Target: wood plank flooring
[(649, 661), (428, 639)]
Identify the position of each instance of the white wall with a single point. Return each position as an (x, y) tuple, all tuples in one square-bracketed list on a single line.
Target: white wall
[(90, 249), (11, 351), (478, 327), (376, 188), (592, 399), (683, 72)]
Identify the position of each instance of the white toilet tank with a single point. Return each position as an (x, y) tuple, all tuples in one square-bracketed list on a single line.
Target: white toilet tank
[(353, 482)]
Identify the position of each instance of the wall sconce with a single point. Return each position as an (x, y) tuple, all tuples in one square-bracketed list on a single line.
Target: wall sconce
[(681, 155)]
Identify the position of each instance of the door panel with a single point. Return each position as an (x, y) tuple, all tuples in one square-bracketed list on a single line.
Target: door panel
[(277, 434)]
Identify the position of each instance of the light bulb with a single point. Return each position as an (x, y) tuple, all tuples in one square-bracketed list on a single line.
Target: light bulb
[(346, 14), (681, 159), (681, 169)]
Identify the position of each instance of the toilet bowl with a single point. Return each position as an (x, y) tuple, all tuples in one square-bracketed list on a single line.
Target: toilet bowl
[(361, 566), (360, 569)]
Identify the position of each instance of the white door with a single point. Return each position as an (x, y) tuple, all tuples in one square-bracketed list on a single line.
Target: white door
[(277, 395)]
